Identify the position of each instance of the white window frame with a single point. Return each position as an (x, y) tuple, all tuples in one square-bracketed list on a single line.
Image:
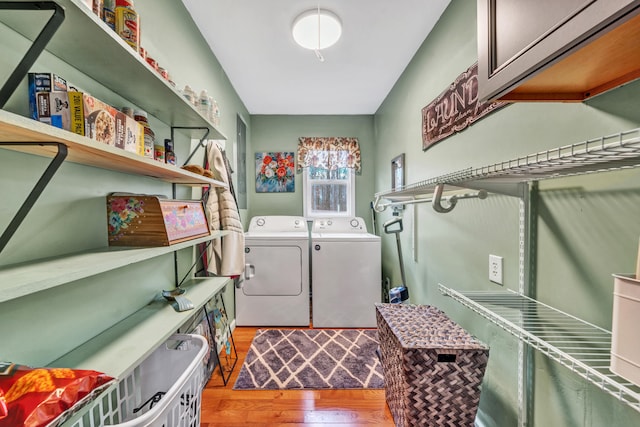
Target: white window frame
[(307, 193)]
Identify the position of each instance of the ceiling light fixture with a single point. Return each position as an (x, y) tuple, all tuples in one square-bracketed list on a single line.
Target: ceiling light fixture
[(317, 29)]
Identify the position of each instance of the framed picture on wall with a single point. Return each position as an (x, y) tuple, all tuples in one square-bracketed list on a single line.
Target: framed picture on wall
[(275, 172), (397, 172)]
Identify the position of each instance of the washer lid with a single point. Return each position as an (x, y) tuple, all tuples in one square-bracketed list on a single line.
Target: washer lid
[(344, 237), (277, 235)]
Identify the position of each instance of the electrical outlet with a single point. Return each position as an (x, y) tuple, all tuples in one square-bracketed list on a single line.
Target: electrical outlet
[(495, 269)]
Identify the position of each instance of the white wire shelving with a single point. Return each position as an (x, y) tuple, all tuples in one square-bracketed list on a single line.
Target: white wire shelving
[(611, 152), (582, 347)]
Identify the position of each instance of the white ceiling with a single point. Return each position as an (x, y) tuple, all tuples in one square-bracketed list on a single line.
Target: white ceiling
[(272, 75)]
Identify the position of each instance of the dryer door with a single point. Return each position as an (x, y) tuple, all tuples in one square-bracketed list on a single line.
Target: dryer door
[(275, 270)]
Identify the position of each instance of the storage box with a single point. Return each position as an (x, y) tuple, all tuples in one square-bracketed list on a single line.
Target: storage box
[(432, 367), (625, 342), (142, 220), (43, 82), (63, 110)]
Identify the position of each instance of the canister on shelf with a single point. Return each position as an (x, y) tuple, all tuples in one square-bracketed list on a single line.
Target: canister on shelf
[(97, 7), (169, 154), (164, 73), (109, 13), (128, 111), (149, 137), (158, 152), (128, 23), (152, 62)]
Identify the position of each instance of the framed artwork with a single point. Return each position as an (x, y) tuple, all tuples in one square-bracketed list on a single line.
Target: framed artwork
[(397, 172), (275, 172)]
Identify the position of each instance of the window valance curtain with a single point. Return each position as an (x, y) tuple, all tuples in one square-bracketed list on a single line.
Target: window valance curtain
[(329, 157)]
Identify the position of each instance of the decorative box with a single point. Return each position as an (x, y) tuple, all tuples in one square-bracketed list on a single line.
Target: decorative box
[(432, 367), (143, 220)]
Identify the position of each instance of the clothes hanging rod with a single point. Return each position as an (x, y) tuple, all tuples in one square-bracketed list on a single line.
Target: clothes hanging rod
[(451, 200)]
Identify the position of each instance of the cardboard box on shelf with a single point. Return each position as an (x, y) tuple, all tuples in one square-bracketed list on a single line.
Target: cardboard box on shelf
[(43, 82), (99, 120), (129, 134), (63, 110)]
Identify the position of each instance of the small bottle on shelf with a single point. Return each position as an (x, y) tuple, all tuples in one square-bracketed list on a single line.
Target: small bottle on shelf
[(203, 103), (189, 94), (216, 114)]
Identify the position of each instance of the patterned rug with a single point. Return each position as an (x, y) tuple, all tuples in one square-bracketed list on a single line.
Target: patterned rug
[(311, 359)]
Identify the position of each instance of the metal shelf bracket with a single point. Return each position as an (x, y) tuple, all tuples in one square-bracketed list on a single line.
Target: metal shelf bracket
[(38, 45), (37, 190), (201, 144)]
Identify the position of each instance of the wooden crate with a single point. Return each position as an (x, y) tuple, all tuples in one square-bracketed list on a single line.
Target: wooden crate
[(143, 220), (432, 367)]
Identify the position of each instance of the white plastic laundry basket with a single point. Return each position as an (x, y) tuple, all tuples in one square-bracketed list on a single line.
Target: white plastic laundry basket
[(164, 390)]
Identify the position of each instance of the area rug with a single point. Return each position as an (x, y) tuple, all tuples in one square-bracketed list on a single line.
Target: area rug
[(311, 359)]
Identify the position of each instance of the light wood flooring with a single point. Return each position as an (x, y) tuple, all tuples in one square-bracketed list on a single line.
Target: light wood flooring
[(223, 406)]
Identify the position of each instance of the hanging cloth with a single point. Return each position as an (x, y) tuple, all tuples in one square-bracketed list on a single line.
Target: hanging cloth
[(329, 157), (225, 255)]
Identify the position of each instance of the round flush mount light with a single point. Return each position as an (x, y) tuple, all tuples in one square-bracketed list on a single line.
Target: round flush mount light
[(317, 29)]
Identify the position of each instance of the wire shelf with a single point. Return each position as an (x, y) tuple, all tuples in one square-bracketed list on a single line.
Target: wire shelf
[(612, 152), (580, 346)]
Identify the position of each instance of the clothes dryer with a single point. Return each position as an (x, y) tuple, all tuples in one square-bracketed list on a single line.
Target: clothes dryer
[(275, 285), (345, 273)]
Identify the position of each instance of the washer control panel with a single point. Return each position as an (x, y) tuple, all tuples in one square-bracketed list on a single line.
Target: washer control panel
[(339, 225), (277, 224)]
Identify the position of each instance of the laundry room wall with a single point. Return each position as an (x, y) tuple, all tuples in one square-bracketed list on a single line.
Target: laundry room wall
[(70, 216), (281, 133), (587, 226)]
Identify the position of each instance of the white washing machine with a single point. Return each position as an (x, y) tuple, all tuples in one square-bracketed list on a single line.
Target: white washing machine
[(275, 285), (345, 273)]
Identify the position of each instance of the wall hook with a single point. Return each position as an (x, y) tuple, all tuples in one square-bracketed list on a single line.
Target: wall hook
[(437, 200)]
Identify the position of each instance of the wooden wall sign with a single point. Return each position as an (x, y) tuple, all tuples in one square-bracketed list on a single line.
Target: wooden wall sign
[(455, 109)]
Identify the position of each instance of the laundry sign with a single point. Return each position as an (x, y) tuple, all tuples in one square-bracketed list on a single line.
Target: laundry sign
[(455, 109)]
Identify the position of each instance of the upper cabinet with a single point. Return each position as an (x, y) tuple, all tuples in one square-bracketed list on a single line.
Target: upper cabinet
[(551, 50)]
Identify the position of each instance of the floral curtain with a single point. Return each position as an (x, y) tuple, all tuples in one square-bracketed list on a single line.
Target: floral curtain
[(329, 157)]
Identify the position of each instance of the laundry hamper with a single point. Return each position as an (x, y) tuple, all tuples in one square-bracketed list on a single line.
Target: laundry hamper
[(164, 390), (432, 367)]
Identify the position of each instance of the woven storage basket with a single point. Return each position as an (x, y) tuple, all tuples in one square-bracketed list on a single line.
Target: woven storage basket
[(432, 367)]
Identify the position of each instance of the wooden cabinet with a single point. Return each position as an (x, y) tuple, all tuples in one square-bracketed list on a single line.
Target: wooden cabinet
[(551, 50)]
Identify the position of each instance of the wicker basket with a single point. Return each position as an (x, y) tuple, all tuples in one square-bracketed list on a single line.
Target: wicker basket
[(432, 367)]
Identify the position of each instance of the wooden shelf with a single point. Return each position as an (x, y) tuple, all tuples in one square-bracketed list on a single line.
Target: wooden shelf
[(87, 43), (119, 349), (26, 278), (82, 150)]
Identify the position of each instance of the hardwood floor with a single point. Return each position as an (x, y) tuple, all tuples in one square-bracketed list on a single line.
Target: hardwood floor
[(223, 406)]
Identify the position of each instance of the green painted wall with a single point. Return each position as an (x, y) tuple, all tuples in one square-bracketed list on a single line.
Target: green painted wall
[(588, 226), (281, 133), (70, 216)]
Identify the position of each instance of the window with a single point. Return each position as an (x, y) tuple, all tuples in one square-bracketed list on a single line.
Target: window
[(328, 196), (328, 167)]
